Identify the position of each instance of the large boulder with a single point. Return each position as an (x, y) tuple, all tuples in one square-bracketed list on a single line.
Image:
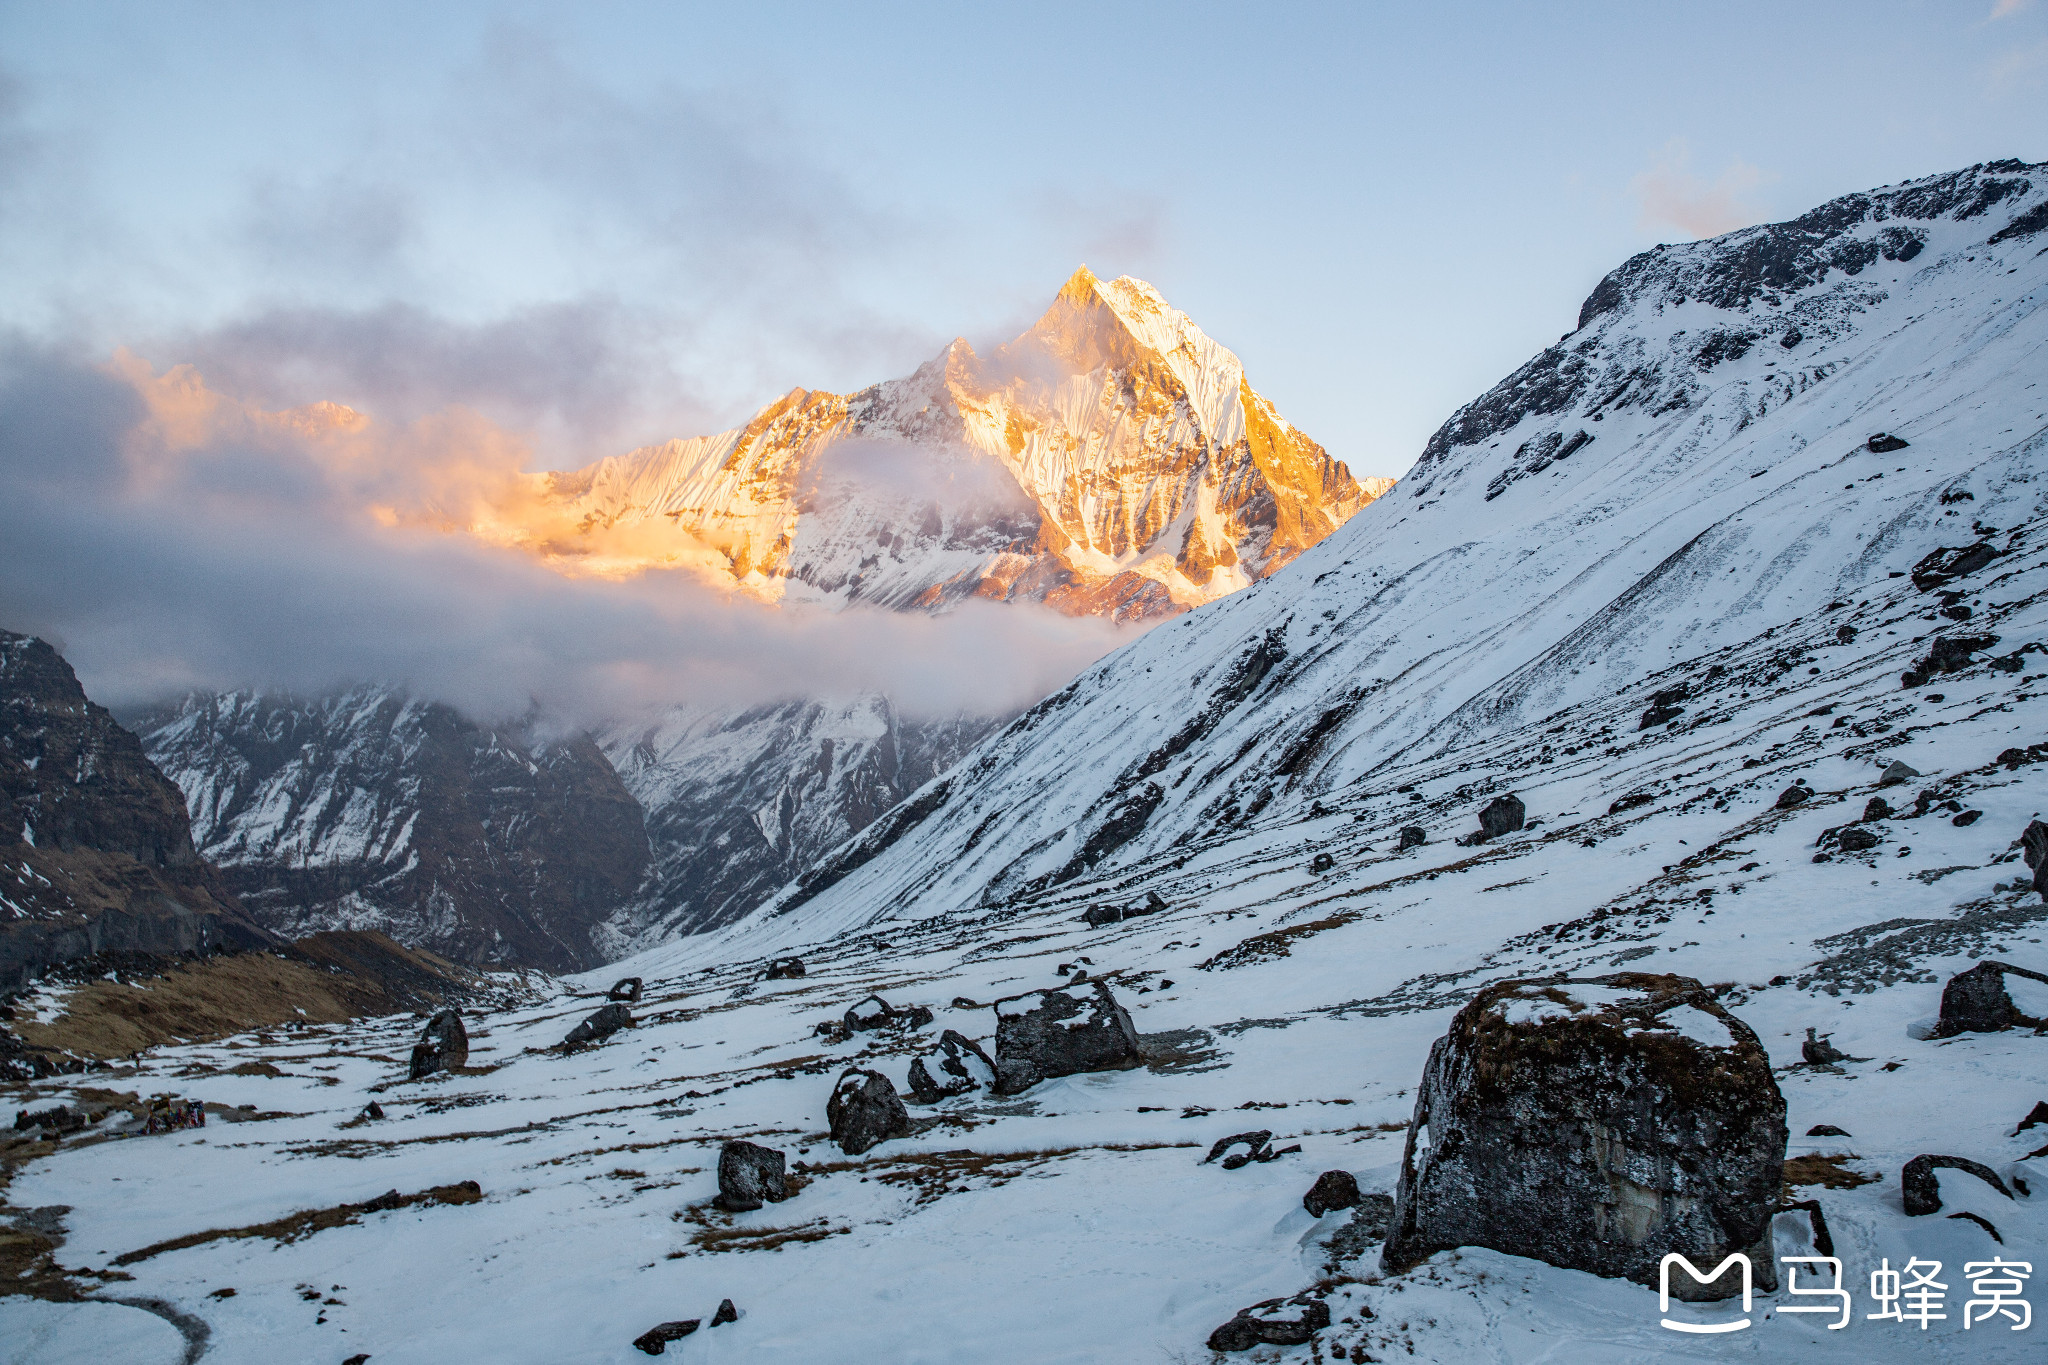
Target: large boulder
[(1061, 1031), (1502, 815), (1976, 1001), (959, 1066), (749, 1175), (627, 991), (599, 1026), (876, 1013), (865, 1110), (1332, 1190), (1596, 1125), (443, 1046)]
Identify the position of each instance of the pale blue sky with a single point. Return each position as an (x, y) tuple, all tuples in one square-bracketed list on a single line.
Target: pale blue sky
[(613, 223)]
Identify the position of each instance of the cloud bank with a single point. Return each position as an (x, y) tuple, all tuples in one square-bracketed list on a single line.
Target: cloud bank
[(170, 537), (1671, 194)]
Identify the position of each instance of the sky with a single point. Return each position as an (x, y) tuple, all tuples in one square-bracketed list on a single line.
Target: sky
[(603, 225)]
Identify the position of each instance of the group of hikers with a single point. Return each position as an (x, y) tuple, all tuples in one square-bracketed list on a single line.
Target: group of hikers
[(167, 1113)]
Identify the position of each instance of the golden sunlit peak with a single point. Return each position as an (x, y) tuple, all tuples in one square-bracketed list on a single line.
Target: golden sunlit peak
[(1080, 286)]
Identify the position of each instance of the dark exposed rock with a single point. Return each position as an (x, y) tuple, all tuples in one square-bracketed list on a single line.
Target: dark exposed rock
[(959, 1066), (726, 1313), (1966, 818), (2034, 847), (1884, 444), (1254, 1144), (1575, 1123), (1059, 1032), (1877, 808), (1332, 1190), (1276, 1322), (875, 1013), (1951, 654), (1413, 836), (748, 1175), (1629, 802), (1819, 1051), (626, 991), (1659, 715), (443, 1046), (785, 969), (1823, 1241), (603, 1024), (655, 1340), (1828, 1130), (1858, 840), (865, 1110), (1367, 1227), (1976, 1001), (1895, 773), (1951, 562), (1792, 796), (1922, 1193), (1098, 915), (1321, 863), (2036, 1116), (1502, 815)]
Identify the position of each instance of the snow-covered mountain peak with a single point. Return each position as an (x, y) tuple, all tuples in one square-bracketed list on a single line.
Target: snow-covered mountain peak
[(1115, 461)]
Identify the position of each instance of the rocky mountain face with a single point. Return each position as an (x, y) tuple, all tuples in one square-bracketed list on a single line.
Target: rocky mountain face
[(1113, 460), (739, 803), (96, 851), (373, 810), (1739, 433)]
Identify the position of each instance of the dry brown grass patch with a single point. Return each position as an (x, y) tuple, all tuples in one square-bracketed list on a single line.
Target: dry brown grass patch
[(1826, 1169)]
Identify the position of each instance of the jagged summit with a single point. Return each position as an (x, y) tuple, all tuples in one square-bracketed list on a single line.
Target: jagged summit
[(1111, 460)]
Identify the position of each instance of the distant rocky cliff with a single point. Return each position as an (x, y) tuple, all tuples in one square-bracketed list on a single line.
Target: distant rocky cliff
[(375, 810), (96, 851)]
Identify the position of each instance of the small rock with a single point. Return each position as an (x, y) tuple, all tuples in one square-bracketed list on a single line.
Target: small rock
[(1659, 715), (1939, 567), (959, 1066), (627, 990), (2034, 846), (1276, 1322), (1820, 1052), (1884, 443), (1629, 802), (1253, 1143), (373, 1110), (785, 969), (1966, 819), (726, 1313), (865, 1110), (871, 1013), (603, 1024), (1098, 915), (1857, 840), (1922, 1194), (1061, 1031), (655, 1340), (961, 1002), (1828, 1130), (1502, 815), (1895, 773), (443, 1046), (2036, 1116), (1877, 808), (1412, 836), (749, 1175), (359, 1358), (1321, 863), (1332, 1190), (1793, 795)]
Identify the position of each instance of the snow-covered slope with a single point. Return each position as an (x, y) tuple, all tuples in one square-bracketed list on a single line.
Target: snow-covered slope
[(1683, 473), (1113, 460), (1650, 646)]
